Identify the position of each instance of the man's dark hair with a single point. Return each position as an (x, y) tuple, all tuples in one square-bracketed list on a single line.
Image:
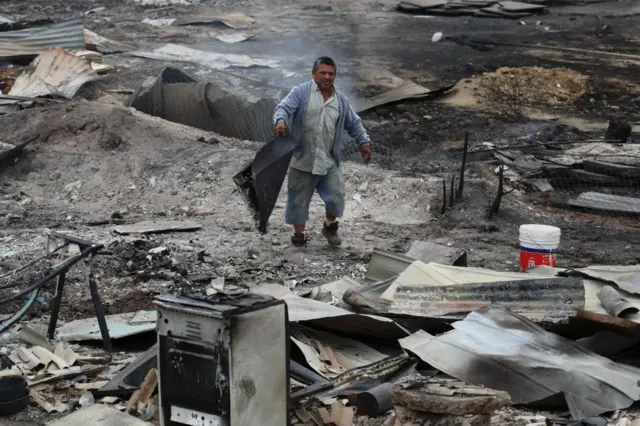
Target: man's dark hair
[(324, 60)]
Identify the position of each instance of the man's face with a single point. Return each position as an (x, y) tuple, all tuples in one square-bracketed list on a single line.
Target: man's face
[(324, 76)]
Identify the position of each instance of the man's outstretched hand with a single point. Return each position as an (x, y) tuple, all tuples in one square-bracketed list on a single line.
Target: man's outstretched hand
[(366, 153), (281, 129)]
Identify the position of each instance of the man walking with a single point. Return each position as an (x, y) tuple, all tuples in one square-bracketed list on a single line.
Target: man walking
[(319, 116)]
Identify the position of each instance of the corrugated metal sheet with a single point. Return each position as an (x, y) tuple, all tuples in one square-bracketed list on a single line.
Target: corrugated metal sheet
[(120, 325), (594, 311), (385, 264), (226, 103), (441, 291), (54, 72), (333, 318), (549, 300), (105, 45), (406, 90), (30, 42), (501, 350), (607, 202)]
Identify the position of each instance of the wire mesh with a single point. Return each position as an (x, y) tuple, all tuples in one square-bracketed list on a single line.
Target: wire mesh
[(596, 177)]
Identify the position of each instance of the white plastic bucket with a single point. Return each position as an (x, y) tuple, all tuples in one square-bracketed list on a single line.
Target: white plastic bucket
[(538, 245)]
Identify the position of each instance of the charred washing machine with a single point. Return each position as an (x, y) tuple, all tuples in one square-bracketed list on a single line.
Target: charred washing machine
[(223, 361)]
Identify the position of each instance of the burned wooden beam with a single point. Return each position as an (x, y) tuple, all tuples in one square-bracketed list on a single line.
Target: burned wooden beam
[(495, 206), (452, 192), (463, 166), (444, 196)]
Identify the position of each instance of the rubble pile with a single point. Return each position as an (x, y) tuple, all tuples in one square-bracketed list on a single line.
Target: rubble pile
[(593, 176), (480, 8), (480, 350)]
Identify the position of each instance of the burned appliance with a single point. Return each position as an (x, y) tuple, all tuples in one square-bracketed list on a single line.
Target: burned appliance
[(223, 361)]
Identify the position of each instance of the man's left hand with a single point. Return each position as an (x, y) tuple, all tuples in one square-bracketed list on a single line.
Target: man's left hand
[(366, 153)]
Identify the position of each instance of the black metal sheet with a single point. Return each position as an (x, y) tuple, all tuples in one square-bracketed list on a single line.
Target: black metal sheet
[(261, 180), (131, 378)]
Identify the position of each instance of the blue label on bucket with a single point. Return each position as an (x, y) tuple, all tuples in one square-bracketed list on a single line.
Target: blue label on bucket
[(532, 250)]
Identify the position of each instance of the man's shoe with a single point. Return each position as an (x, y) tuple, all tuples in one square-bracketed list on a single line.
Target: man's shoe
[(330, 232), (298, 239)]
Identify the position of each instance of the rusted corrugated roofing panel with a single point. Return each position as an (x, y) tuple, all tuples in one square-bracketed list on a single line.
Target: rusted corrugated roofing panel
[(54, 72), (550, 300), (30, 42), (442, 291)]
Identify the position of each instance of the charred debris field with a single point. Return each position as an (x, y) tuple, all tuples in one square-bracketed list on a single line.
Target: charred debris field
[(128, 133)]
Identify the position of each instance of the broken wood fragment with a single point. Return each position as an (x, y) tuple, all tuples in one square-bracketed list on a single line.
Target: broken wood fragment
[(495, 206), (341, 415), (452, 192), (463, 166), (444, 196), (142, 395)]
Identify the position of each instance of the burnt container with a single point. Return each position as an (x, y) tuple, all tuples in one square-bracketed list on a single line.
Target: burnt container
[(223, 361)]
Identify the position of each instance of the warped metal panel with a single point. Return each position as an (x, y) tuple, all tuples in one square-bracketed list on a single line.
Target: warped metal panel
[(105, 45), (54, 72), (260, 180), (499, 349), (30, 42), (226, 104), (549, 300), (407, 90), (606, 202), (385, 264)]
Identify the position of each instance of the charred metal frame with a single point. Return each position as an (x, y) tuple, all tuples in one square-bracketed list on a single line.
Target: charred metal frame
[(87, 249)]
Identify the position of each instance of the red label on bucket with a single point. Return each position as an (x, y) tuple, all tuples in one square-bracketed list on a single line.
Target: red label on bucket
[(532, 257)]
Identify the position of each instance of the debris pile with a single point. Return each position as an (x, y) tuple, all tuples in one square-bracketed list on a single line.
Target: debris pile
[(60, 67), (536, 85), (489, 345), (418, 342), (605, 174), (482, 8), (60, 377)]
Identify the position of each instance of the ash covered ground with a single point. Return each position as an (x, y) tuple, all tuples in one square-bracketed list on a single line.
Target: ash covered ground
[(93, 160)]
